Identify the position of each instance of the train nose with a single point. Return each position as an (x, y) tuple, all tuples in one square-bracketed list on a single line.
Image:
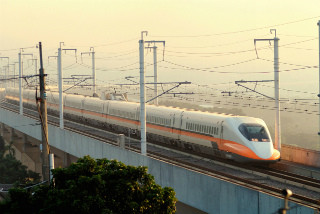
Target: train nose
[(263, 150)]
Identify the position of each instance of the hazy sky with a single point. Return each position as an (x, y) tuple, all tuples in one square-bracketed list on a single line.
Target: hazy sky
[(207, 41)]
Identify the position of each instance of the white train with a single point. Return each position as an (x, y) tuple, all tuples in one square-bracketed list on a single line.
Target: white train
[(243, 139)]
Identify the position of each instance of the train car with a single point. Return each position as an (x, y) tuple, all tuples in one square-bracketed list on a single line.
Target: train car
[(122, 116), (94, 109), (73, 107), (203, 128), (53, 103), (240, 138), (163, 123)]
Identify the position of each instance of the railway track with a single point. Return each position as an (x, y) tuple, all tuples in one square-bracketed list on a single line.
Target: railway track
[(204, 165)]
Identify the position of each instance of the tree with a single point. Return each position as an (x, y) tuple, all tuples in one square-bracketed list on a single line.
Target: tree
[(11, 169), (95, 186)]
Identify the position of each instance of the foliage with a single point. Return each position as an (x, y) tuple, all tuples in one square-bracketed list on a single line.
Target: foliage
[(95, 186), (12, 170)]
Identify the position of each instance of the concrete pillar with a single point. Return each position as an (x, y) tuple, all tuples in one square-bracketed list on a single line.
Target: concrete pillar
[(67, 160), (121, 141)]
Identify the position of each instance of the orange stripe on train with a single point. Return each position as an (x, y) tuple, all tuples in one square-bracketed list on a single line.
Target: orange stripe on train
[(224, 145)]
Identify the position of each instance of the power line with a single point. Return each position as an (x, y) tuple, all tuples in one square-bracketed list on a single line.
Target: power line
[(306, 49), (232, 72), (221, 66), (17, 49), (242, 31), (107, 44), (237, 52), (307, 66), (218, 45)]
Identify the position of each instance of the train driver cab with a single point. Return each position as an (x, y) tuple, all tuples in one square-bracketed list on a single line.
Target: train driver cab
[(254, 132)]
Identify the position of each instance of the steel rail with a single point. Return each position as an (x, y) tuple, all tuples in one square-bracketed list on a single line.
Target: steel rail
[(214, 173)]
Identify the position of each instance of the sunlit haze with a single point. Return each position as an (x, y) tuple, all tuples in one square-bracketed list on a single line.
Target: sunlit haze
[(202, 35), (208, 43)]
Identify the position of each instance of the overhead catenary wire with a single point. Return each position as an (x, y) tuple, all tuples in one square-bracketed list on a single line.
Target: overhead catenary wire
[(240, 31), (239, 51), (307, 66), (232, 72)]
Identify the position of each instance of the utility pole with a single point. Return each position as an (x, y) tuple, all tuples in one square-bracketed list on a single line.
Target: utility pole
[(44, 120), (155, 69), (60, 82), (319, 85), (276, 88), (93, 69), (143, 123)]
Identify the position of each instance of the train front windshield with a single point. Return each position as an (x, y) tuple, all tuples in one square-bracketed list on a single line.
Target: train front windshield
[(254, 132)]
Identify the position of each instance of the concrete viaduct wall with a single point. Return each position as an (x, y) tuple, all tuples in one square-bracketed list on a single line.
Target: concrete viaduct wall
[(203, 192)]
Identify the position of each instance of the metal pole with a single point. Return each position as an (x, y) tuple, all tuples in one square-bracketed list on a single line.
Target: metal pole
[(93, 72), (60, 88), (51, 162), (20, 85), (143, 123), (319, 86), (277, 95), (155, 75)]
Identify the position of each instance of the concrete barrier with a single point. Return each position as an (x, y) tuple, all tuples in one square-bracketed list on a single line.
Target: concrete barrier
[(300, 155), (203, 192)]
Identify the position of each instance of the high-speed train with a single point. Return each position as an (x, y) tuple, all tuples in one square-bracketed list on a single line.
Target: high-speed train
[(240, 138)]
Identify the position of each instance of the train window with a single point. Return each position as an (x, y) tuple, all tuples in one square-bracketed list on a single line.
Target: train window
[(254, 132)]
